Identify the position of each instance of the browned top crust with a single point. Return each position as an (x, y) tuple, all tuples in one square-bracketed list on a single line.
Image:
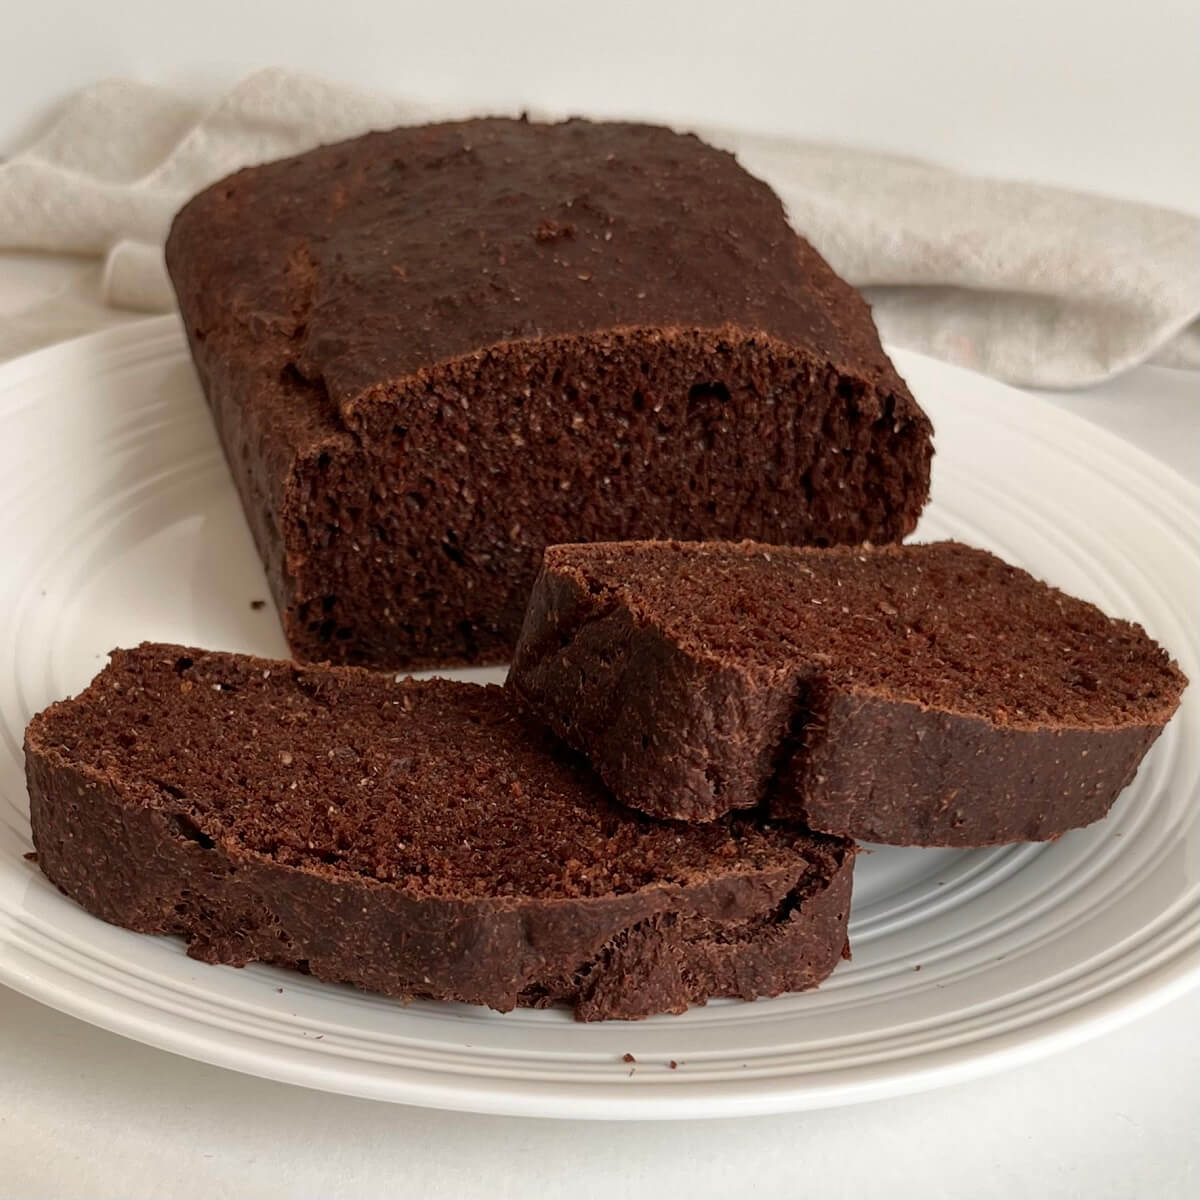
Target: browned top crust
[(381, 257)]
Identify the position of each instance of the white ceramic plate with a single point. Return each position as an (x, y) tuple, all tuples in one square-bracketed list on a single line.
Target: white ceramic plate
[(121, 524)]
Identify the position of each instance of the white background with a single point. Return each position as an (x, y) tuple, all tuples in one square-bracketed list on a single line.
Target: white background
[(1092, 94), (1101, 94)]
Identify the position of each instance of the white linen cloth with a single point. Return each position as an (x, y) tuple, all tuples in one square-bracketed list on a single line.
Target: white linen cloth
[(1035, 285)]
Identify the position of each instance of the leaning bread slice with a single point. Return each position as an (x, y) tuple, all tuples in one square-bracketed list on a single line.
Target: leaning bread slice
[(415, 838), (922, 694)]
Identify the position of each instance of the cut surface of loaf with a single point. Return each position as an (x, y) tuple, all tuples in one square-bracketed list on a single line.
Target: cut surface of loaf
[(432, 351), (918, 694), (414, 838)]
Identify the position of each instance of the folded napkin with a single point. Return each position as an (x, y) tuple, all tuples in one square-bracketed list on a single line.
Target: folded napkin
[(1036, 285)]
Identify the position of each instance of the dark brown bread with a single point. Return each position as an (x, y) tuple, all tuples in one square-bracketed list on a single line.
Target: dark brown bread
[(431, 352), (418, 839), (924, 694)]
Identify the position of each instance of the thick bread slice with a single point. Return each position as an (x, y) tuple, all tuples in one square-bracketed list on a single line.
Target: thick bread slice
[(923, 694), (418, 839)]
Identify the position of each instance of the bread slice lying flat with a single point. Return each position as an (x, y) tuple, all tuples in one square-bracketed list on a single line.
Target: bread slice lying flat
[(921, 694), (417, 839)]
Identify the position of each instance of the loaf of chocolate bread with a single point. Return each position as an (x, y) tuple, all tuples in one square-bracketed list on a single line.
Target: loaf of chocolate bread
[(418, 839), (918, 694), (433, 351)]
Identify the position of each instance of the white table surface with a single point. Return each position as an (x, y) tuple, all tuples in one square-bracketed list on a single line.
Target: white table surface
[(1074, 92)]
